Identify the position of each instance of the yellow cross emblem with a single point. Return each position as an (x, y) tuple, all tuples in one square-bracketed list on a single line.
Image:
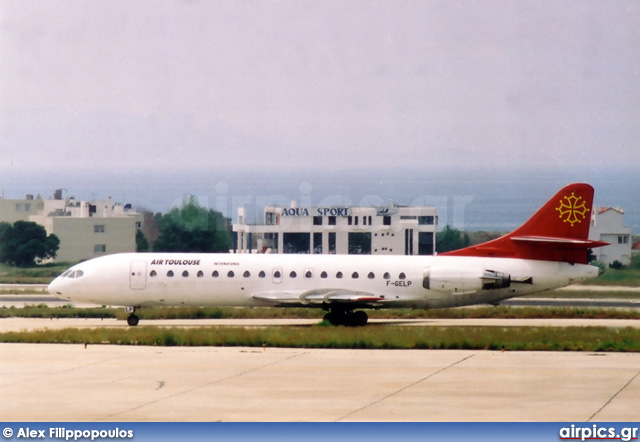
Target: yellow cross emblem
[(571, 209)]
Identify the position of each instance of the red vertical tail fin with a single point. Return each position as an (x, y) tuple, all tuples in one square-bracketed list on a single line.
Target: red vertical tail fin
[(558, 231)]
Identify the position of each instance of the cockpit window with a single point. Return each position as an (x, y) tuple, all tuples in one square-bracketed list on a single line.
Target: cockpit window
[(73, 274)]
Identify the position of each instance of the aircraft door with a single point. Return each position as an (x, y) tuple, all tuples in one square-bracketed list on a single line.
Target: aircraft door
[(138, 275)]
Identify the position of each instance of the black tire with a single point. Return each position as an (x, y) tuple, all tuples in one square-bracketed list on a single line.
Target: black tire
[(133, 320), (333, 318), (359, 318)]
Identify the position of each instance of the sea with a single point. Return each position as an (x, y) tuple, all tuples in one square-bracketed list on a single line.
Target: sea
[(494, 200)]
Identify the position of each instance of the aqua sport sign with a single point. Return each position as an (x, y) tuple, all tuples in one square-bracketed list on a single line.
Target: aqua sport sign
[(317, 211)]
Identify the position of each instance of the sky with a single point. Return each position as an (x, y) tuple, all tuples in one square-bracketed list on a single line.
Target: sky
[(167, 87)]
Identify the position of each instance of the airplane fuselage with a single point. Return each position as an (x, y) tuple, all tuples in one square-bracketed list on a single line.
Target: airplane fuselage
[(548, 251), (238, 280)]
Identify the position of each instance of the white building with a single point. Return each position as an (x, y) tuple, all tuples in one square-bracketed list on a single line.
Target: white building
[(339, 230), (607, 224), (86, 229)]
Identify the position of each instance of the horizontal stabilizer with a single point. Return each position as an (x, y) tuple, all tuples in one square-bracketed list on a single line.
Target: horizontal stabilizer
[(578, 243)]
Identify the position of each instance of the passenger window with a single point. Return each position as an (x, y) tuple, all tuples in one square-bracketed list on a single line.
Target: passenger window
[(262, 274), (277, 274), (324, 275), (185, 274), (339, 275), (308, 274), (355, 275), (246, 274), (293, 274), (215, 274), (170, 273), (200, 273), (231, 274), (153, 273), (371, 275), (386, 275), (402, 276)]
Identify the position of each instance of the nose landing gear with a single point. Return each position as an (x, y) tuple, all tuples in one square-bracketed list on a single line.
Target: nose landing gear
[(132, 319)]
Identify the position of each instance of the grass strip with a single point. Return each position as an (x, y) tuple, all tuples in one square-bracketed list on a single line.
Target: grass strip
[(597, 339), (65, 311), (482, 312), (36, 274)]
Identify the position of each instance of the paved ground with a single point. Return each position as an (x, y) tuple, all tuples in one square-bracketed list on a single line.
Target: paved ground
[(112, 383), (117, 383), (598, 288), (573, 302), (17, 288)]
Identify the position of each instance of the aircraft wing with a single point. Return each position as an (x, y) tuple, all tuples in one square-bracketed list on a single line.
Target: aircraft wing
[(319, 298)]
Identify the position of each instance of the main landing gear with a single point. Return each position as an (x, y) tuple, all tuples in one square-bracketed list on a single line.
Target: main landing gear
[(132, 319), (346, 317)]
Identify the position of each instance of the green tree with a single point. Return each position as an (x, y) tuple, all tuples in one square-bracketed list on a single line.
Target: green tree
[(24, 242), (5, 237), (192, 228), (450, 238), (142, 245)]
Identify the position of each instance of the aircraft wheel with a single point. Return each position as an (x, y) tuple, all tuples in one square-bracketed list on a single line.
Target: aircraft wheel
[(359, 318), (356, 319), (350, 319), (133, 320), (333, 318)]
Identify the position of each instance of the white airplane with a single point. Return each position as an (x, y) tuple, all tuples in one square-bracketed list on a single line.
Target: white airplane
[(547, 252)]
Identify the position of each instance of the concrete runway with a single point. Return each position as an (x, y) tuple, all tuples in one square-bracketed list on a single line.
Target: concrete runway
[(116, 383)]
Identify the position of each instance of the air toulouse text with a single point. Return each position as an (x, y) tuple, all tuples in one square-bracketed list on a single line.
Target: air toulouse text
[(175, 262)]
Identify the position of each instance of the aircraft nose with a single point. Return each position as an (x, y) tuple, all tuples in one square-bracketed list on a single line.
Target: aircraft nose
[(54, 287)]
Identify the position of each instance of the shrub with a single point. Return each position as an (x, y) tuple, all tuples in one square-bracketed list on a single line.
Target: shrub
[(617, 265)]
